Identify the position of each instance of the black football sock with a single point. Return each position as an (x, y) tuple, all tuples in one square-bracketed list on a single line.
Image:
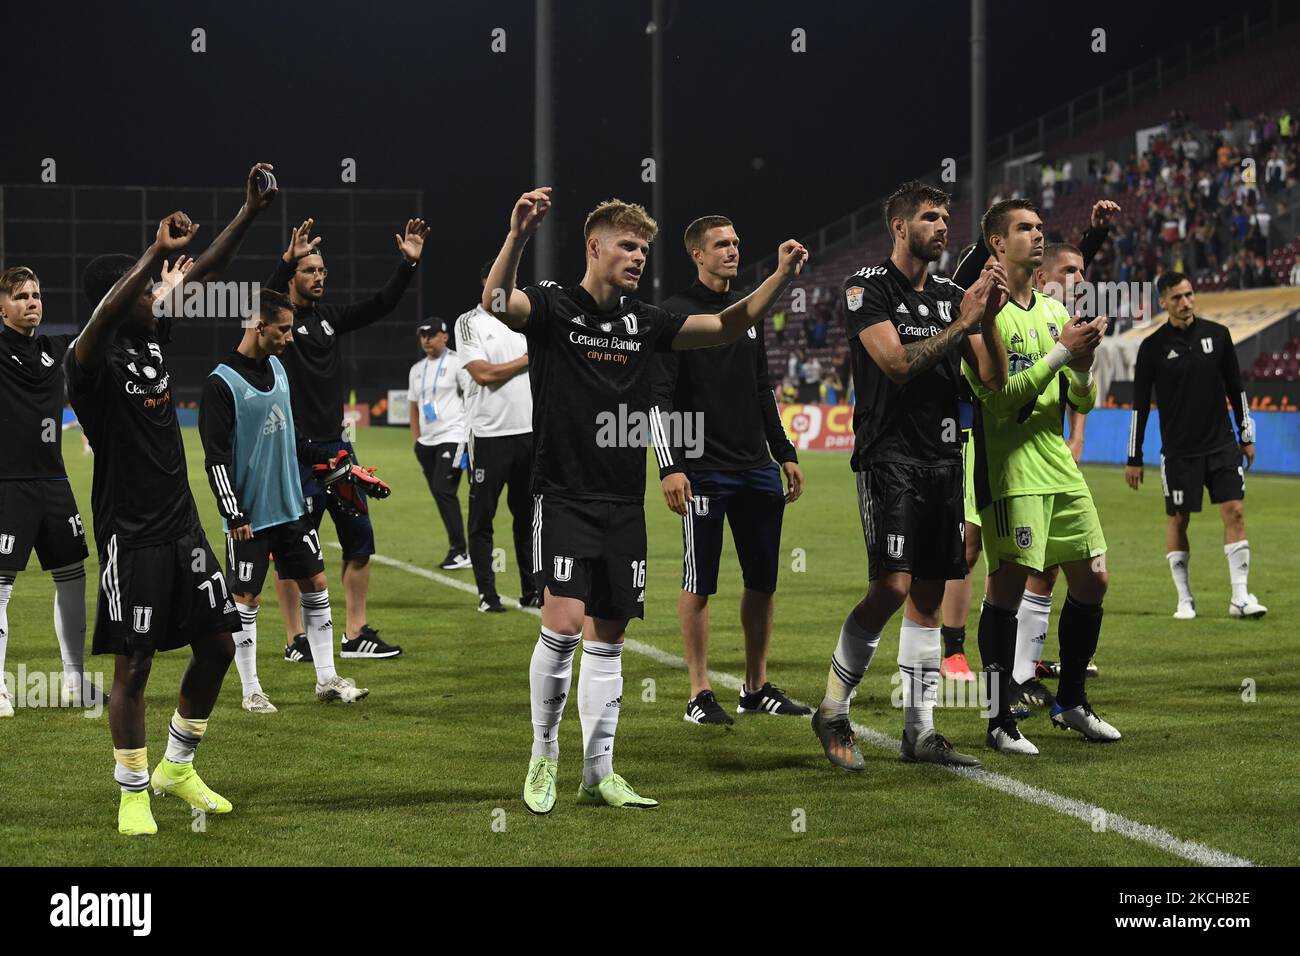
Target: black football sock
[(954, 640), (1079, 630), (997, 642)]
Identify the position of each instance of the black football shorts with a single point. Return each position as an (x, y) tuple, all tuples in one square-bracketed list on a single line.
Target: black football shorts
[(294, 546), (593, 551), (40, 514), (1184, 479), (914, 520), (160, 596)]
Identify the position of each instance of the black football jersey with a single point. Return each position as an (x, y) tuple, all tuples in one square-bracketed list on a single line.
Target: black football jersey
[(914, 423), (31, 404), (1190, 371), (141, 487), (314, 361), (728, 386), (591, 374)]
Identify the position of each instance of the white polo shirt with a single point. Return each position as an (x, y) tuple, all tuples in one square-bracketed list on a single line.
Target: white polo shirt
[(506, 408), (438, 385)]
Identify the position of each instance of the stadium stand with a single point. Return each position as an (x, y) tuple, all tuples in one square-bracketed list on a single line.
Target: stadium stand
[(1189, 200)]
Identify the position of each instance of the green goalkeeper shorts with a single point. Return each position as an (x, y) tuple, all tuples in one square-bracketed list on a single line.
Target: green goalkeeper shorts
[(1042, 531), (968, 459)]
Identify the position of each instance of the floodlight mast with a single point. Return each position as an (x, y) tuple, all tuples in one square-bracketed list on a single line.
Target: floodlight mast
[(978, 125), (656, 31), (543, 242)]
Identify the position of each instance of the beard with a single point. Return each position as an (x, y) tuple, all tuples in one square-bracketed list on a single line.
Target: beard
[(922, 250)]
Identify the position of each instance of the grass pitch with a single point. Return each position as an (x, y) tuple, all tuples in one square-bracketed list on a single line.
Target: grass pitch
[(429, 769)]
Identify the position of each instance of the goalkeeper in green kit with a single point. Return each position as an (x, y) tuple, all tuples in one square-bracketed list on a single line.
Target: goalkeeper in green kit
[(1033, 501)]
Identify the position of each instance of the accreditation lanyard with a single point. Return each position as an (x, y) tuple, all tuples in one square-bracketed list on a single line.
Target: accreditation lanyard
[(432, 403)]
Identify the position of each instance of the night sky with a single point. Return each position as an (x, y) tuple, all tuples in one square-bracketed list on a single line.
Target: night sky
[(779, 141)]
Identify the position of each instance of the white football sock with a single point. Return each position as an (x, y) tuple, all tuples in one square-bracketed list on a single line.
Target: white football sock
[(70, 621), (850, 661), (1238, 555), (918, 665), (1178, 562), (600, 696), (6, 592), (550, 673), (246, 648), (130, 781), (183, 737), (320, 632), (1032, 621)]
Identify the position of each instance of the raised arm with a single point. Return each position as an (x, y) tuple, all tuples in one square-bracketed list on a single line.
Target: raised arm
[(131, 294), (500, 297), (1094, 237), (357, 315), (217, 257), (301, 245), (701, 331)]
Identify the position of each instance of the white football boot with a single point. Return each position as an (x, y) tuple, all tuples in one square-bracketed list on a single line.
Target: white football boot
[(1007, 739), (1186, 610), (259, 703), (340, 688), (1247, 608), (1082, 719)]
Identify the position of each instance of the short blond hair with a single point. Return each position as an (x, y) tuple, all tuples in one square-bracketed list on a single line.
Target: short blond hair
[(14, 278), (619, 215)]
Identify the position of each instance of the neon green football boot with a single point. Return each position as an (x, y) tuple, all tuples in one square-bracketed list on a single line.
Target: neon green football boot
[(182, 780), (134, 818), (614, 791), (539, 785)]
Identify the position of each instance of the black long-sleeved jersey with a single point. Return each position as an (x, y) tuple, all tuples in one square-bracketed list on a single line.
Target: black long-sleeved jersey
[(217, 431), (1191, 370), (728, 385), (313, 362), (31, 404)]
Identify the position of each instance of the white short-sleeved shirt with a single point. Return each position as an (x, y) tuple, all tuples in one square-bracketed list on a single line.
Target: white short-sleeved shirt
[(506, 408), (439, 384)]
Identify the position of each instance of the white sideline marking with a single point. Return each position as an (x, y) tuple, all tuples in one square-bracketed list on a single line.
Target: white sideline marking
[(1140, 832)]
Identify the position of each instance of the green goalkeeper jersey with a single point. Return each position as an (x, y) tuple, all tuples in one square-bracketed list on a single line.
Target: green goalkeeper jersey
[(1019, 431)]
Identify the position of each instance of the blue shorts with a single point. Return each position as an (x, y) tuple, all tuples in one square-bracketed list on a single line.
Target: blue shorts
[(753, 502), (356, 535)]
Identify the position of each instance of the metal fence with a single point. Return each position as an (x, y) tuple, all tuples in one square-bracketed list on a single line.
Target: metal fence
[(57, 229)]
